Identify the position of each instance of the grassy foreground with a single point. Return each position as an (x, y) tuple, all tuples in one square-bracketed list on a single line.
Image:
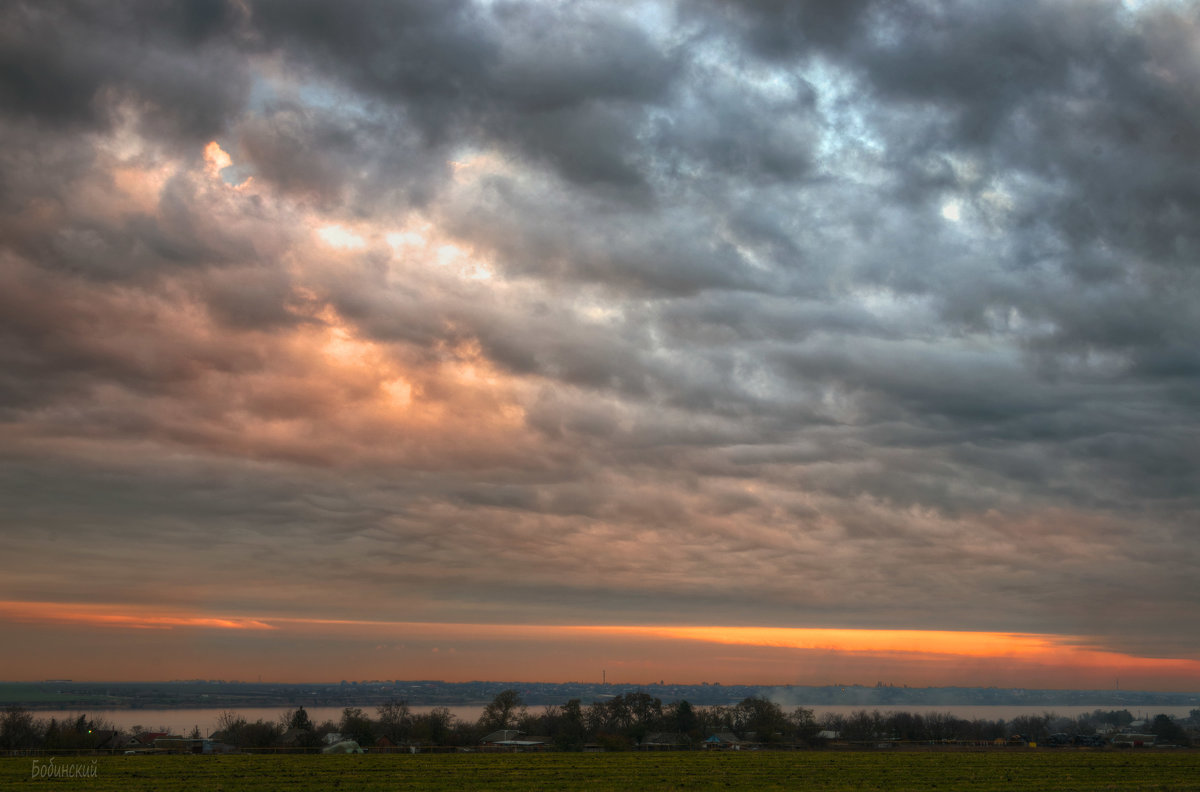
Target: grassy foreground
[(817, 770)]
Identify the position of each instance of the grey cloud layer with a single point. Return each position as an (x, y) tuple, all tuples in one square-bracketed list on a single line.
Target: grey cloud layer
[(818, 314)]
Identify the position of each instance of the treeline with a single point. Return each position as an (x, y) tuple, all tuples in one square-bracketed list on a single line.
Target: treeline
[(20, 730), (621, 722), (862, 726)]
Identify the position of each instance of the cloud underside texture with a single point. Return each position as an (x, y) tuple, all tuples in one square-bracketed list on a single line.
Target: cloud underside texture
[(875, 315)]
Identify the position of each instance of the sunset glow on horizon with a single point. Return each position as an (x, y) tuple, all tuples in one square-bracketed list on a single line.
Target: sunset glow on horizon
[(696, 341), (1048, 655)]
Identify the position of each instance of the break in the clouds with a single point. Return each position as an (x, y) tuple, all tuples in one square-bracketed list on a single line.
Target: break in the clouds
[(854, 316)]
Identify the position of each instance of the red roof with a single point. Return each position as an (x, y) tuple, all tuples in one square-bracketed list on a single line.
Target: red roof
[(148, 738)]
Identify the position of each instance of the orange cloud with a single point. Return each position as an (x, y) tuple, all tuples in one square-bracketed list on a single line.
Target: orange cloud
[(1029, 648), (967, 644), (215, 158), (121, 616), (925, 656)]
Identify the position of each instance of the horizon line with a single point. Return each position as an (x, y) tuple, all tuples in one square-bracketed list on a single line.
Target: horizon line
[(870, 686)]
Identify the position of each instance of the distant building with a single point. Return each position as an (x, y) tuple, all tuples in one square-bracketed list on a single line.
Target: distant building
[(513, 740), (503, 735), (107, 740), (171, 744), (724, 741), (665, 741), (293, 738)]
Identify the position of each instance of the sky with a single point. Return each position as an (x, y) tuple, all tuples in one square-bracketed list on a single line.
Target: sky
[(747, 342)]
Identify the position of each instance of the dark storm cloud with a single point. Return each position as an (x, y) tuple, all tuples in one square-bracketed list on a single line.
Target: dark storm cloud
[(567, 86), (409, 50), (782, 29), (68, 64), (850, 314)]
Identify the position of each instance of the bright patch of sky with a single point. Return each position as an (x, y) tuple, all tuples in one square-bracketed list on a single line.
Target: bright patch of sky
[(339, 236), (420, 243), (848, 142)]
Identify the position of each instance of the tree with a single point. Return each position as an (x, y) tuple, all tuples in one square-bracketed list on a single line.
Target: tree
[(395, 720), (803, 723), (713, 719), (259, 734), (229, 721), (435, 726), (357, 726), (53, 737), (632, 715), (861, 725), (1116, 718), (595, 717), (646, 712), (1167, 731), (682, 717), (761, 718), (992, 729), (503, 712), (299, 720), (943, 725), (1031, 727), (536, 722), (441, 725), (230, 726), (833, 722), (17, 729), (567, 728)]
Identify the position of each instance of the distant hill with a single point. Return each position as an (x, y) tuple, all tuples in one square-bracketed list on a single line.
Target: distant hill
[(66, 694)]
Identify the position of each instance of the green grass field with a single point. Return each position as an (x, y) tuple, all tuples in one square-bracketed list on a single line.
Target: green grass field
[(815, 770)]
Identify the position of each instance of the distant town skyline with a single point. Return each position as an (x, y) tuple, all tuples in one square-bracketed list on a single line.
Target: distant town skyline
[(768, 343)]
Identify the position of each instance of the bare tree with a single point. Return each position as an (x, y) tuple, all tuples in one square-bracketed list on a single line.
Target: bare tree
[(17, 729), (229, 721), (395, 720), (504, 711)]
